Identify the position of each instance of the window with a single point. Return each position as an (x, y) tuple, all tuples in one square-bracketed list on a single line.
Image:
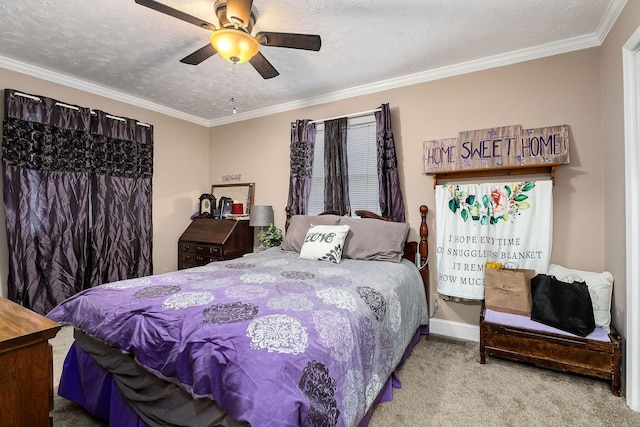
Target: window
[(362, 162)]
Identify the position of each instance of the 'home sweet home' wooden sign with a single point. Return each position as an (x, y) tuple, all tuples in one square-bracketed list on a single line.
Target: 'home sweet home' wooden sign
[(502, 147)]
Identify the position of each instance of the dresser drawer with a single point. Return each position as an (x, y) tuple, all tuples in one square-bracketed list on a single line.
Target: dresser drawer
[(195, 259), (193, 248), (195, 254), (191, 260)]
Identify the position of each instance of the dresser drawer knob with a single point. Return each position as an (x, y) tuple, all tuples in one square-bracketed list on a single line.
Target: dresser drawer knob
[(185, 257), (185, 247)]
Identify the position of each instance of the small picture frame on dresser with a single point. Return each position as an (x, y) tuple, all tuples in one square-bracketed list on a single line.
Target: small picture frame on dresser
[(225, 206)]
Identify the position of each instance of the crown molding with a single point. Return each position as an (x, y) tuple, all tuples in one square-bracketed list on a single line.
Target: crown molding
[(610, 17), (96, 89), (550, 49)]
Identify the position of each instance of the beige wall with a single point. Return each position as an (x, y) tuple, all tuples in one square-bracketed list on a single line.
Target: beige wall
[(181, 166), (562, 89), (612, 141)]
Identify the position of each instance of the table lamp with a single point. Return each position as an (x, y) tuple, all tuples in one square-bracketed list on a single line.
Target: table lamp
[(261, 216)]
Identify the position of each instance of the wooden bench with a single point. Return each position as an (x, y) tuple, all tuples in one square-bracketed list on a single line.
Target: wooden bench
[(567, 353)]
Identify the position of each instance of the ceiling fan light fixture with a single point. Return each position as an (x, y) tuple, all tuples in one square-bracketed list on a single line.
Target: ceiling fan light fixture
[(234, 45)]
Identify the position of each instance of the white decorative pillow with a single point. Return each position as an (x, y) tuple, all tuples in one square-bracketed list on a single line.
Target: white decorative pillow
[(600, 287), (298, 227), (324, 242)]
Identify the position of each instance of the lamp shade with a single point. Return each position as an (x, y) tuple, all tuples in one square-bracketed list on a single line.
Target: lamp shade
[(234, 45), (261, 216)]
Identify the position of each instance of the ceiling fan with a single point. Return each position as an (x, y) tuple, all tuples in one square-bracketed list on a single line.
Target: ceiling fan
[(233, 39)]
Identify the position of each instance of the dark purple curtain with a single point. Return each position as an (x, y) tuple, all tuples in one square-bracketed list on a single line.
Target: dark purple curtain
[(122, 160), (391, 202), (77, 197), (303, 139), (336, 172), (46, 180)]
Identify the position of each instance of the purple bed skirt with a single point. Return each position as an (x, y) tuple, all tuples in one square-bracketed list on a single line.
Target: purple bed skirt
[(102, 399)]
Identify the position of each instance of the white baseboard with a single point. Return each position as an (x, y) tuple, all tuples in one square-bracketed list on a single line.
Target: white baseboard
[(451, 329)]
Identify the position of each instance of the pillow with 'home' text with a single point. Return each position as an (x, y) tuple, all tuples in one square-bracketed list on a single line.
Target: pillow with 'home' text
[(324, 242)]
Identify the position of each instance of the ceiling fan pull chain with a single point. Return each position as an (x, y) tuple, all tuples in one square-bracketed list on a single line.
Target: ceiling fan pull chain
[(233, 86)]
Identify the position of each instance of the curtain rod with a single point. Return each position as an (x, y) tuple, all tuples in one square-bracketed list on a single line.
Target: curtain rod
[(349, 116), (26, 95), (73, 107), (122, 119)]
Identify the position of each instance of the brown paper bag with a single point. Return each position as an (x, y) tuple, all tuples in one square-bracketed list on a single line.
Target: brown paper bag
[(508, 290)]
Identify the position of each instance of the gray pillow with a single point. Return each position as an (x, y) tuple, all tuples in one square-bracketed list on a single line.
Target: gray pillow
[(298, 227), (373, 239)]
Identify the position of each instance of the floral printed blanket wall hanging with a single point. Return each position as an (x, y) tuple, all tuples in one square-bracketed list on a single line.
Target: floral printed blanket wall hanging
[(507, 222)]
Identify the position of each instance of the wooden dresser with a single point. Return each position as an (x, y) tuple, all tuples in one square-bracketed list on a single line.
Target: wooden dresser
[(207, 240), (26, 366)]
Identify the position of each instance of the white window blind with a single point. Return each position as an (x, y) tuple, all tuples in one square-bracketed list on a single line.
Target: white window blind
[(362, 161)]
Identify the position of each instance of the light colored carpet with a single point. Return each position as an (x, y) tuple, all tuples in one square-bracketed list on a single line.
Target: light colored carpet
[(443, 384)]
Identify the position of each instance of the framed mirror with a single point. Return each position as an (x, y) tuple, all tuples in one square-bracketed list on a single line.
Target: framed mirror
[(227, 194)]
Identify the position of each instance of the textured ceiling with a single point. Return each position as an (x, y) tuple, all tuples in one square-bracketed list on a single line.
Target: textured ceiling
[(120, 49)]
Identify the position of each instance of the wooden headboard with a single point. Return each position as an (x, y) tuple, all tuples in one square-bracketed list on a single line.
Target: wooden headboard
[(411, 248)]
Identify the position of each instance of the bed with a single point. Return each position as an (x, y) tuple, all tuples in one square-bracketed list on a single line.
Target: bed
[(266, 339), (515, 337)]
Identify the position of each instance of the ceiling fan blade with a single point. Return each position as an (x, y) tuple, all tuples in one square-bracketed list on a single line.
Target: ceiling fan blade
[(162, 8), (200, 55), (239, 11), (263, 66), (289, 40)]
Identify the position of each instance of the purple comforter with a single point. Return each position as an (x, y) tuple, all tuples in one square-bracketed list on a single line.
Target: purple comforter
[(273, 339)]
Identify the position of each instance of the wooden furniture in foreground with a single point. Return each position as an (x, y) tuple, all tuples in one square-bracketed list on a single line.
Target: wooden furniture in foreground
[(26, 366), (207, 240), (567, 353)]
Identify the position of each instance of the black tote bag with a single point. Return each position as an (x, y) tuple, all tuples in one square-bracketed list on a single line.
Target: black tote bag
[(562, 305)]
